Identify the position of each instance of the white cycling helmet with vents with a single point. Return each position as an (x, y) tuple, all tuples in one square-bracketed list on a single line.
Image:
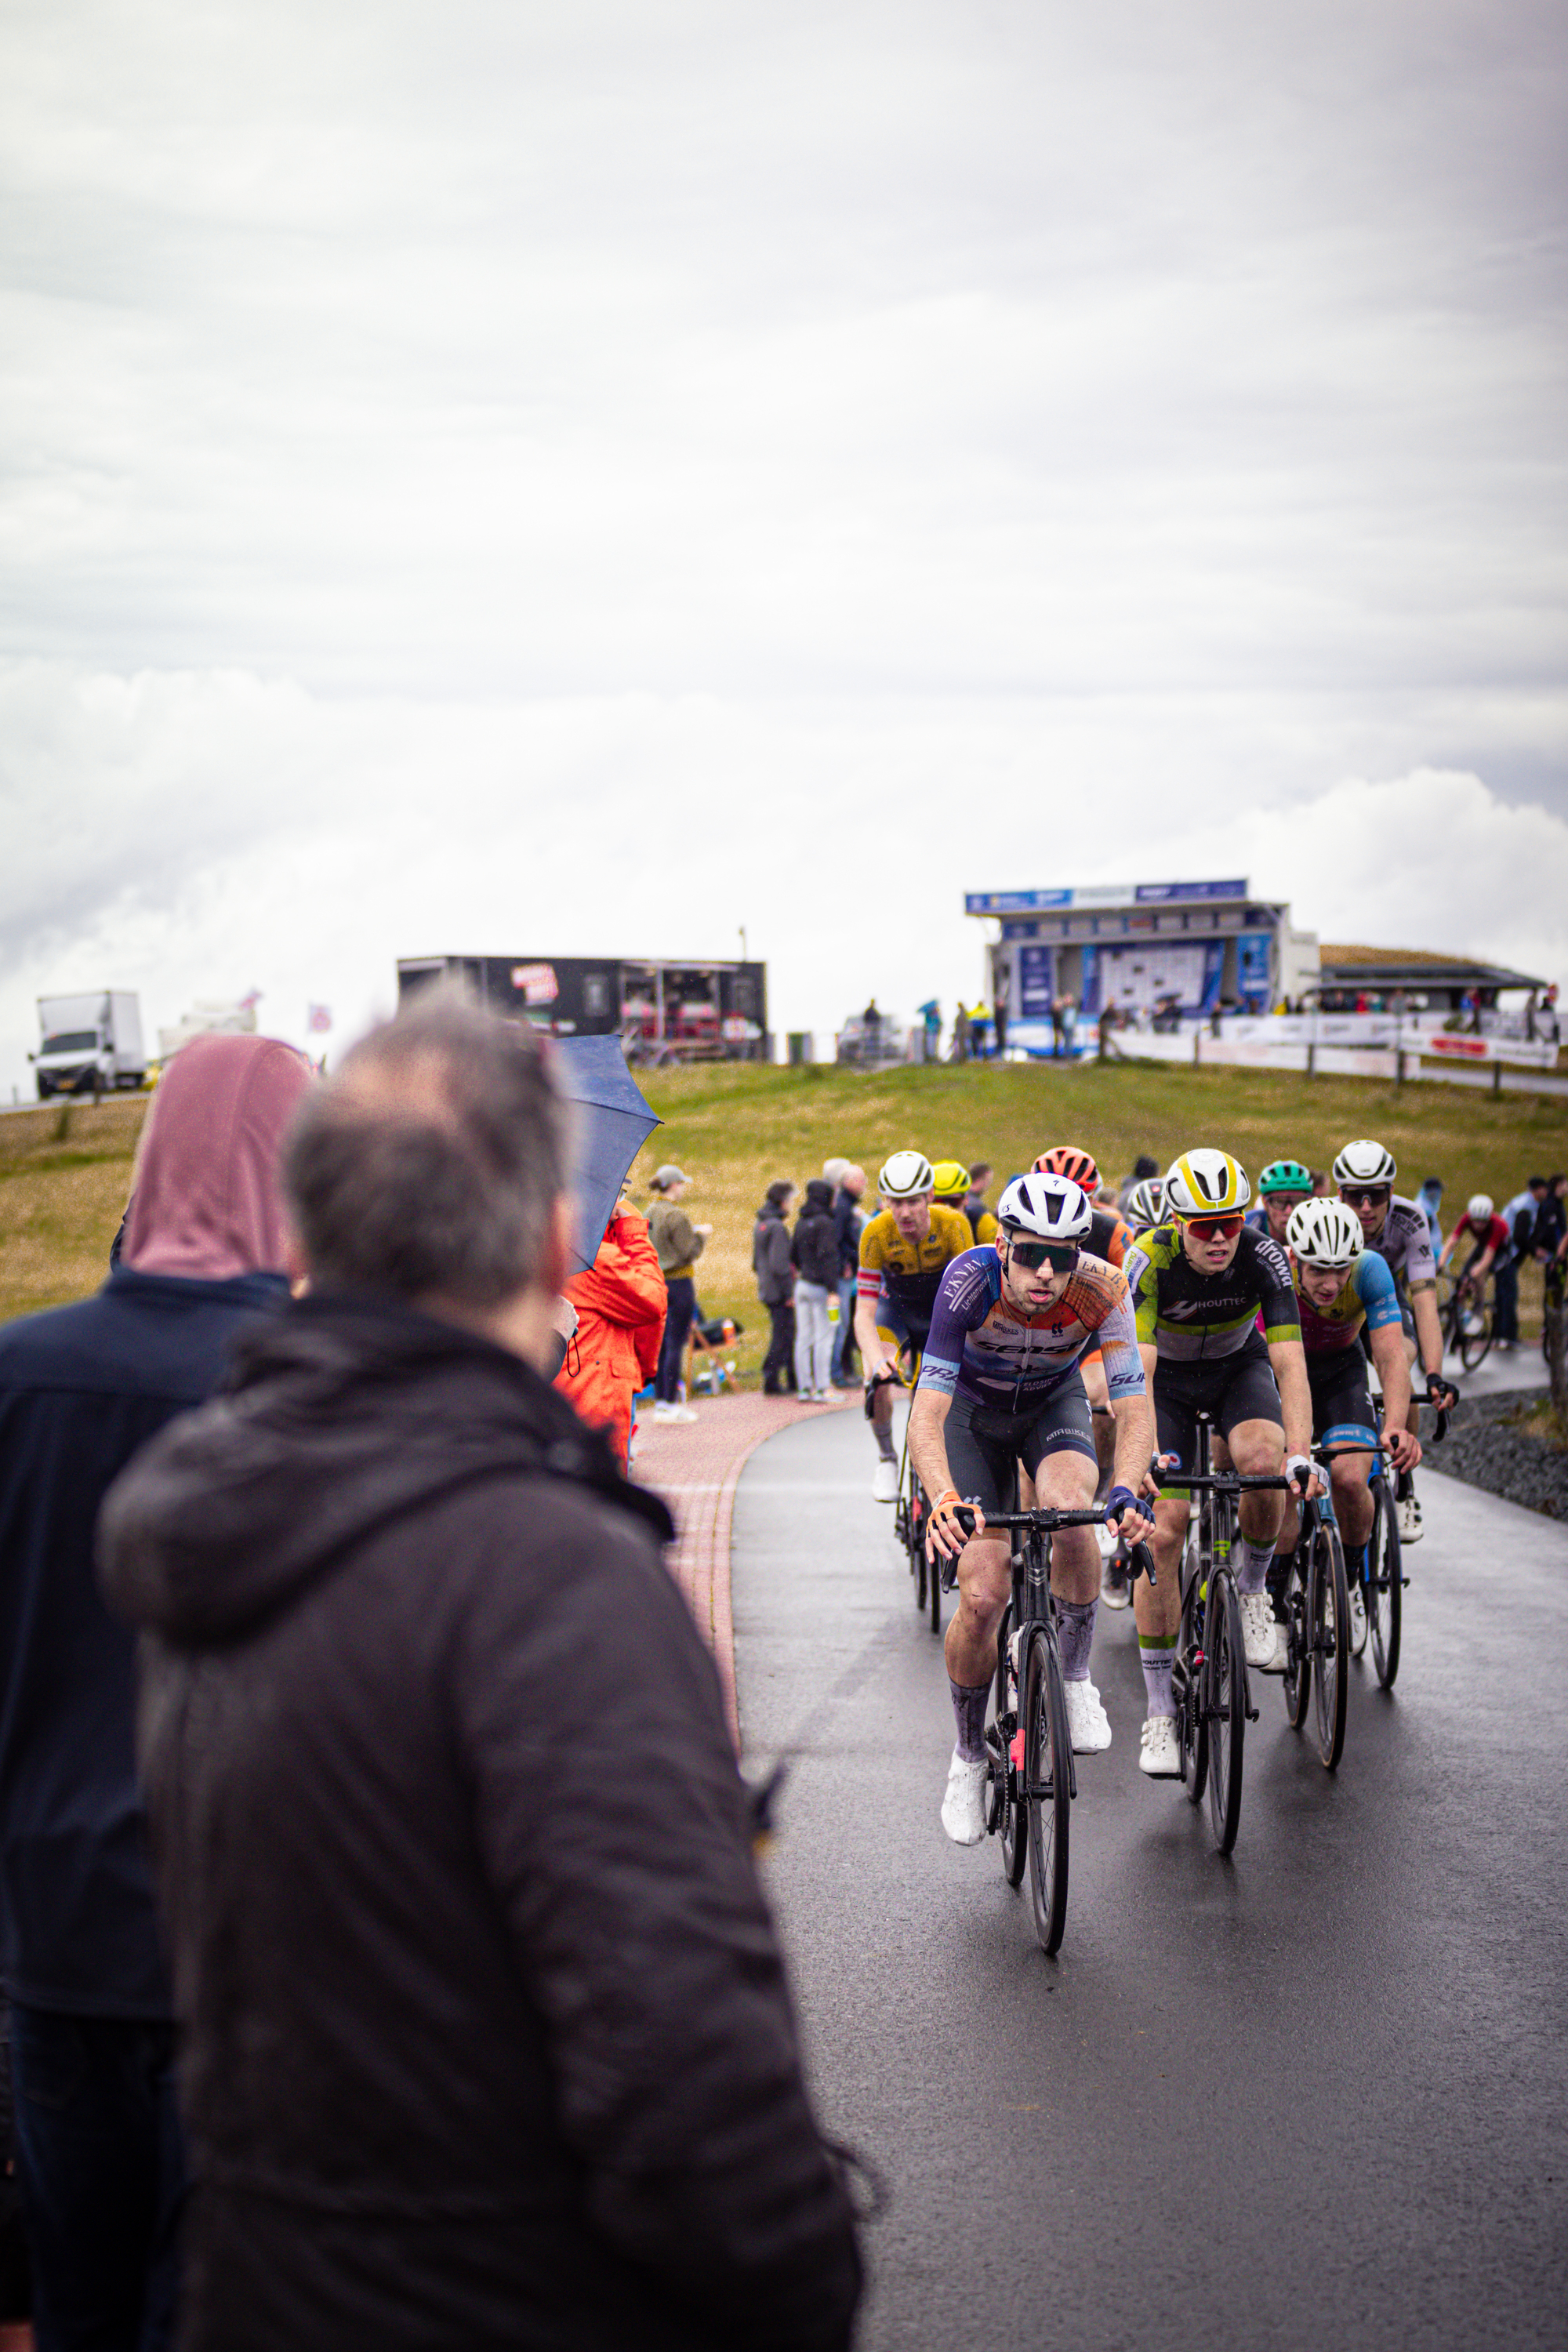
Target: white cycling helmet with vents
[(1146, 1203), (1365, 1163), (1051, 1208), (1325, 1233), (1478, 1208), (1205, 1184), (905, 1176)]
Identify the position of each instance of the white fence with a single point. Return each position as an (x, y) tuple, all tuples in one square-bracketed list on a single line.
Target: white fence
[(1465, 1057)]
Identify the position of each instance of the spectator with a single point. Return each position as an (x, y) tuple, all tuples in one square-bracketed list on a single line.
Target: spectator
[(1000, 996), (977, 1030), (678, 1244), (1550, 1238), (1518, 1215), (930, 1022), (1143, 1169), (814, 1254), (100, 2165), (477, 2051), (959, 1049), (847, 1218), (620, 1303), (1322, 1187), (1430, 1200), (775, 1270), (834, 1171)]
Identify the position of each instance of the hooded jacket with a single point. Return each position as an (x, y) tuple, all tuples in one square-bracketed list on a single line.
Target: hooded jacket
[(621, 1303), (770, 1260), (814, 1244), (486, 2036), (81, 1389)]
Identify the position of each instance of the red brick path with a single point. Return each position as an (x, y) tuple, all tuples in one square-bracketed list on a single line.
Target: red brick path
[(696, 1466)]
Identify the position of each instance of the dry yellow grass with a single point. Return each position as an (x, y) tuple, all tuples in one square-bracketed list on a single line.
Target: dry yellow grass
[(64, 1175)]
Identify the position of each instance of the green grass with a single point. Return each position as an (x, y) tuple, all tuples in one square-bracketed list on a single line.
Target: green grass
[(734, 1127)]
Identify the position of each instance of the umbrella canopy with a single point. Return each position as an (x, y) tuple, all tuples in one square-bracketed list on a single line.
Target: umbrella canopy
[(614, 1122)]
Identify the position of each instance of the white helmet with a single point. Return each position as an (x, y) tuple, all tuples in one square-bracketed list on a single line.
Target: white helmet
[(905, 1176), (1205, 1184), (1146, 1203), (1052, 1208), (1365, 1163), (1478, 1208), (1325, 1233)]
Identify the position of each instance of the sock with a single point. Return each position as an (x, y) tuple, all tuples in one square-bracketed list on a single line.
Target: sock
[(1279, 1577), (885, 1446), (1075, 1632), (1356, 1563), (969, 1714), (1253, 1564), (1156, 1653)]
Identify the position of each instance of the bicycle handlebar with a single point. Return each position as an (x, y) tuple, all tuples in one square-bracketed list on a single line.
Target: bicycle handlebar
[(1140, 1560)]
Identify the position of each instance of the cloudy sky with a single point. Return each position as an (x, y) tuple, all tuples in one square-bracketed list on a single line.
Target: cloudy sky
[(519, 478)]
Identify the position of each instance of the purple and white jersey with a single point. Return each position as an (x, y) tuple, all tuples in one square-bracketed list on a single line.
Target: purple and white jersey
[(1406, 1244), (980, 1345)]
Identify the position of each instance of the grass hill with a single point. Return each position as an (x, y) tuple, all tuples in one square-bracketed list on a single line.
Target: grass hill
[(64, 1173)]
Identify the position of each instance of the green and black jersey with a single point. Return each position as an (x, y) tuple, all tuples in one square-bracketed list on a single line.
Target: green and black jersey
[(1193, 1317)]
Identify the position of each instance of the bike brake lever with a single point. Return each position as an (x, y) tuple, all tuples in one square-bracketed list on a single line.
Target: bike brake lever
[(1143, 1562)]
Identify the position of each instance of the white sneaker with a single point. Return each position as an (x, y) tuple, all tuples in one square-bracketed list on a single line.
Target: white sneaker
[(1262, 1638), (1410, 1518), (963, 1805), (1157, 1752), (1088, 1726), (673, 1413), (885, 1484)]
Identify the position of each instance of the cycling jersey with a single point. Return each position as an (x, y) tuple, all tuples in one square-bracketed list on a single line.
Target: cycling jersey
[(1108, 1237), (983, 1348), (1369, 1297), (1191, 1317), (1405, 1245), (1493, 1235), (908, 1272)]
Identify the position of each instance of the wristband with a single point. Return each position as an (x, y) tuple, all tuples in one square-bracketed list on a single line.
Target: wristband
[(1299, 1467), (948, 1495)]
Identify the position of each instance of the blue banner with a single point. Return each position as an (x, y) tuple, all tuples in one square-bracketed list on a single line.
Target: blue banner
[(1091, 981), (1034, 983), (1252, 969), (1214, 968)]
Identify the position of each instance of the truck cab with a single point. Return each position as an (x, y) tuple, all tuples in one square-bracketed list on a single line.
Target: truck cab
[(90, 1044)]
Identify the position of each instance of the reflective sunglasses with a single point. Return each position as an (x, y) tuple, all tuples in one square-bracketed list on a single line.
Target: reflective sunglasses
[(1214, 1229), (1060, 1256), (1371, 1194)]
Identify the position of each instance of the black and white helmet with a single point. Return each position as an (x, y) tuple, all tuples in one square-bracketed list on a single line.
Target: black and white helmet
[(1365, 1163), (1052, 1208), (1325, 1233), (905, 1176), (1146, 1203)]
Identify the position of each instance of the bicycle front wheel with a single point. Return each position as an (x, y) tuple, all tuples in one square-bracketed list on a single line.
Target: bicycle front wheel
[(1330, 1610), (1224, 1674), (1014, 1825), (1187, 1688), (1385, 1597), (1047, 1748), (1296, 1679), (1474, 1336)]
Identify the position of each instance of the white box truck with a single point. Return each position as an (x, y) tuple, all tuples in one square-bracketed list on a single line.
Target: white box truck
[(91, 1044)]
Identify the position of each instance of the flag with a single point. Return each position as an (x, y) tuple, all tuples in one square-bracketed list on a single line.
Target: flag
[(317, 1018)]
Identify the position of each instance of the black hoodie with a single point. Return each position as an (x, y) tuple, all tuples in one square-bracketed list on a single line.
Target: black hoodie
[(486, 2036)]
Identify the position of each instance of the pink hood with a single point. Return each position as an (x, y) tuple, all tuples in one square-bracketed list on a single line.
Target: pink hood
[(208, 1203)]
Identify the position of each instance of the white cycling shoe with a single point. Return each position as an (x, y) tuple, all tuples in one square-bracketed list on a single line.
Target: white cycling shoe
[(1410, 1518), (1157, 1751), (885, 1484), (1088, 1726), (1262, 1638), (963, 1805)]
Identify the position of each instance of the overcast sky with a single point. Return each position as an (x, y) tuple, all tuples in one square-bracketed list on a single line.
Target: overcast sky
[(538, 478)]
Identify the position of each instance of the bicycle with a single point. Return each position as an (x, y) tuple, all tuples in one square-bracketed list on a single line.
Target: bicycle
[(1466, 1328), (1032, 1778), (1318, 1620), (1208, 1675), (910, 1518), (1383, 1580)]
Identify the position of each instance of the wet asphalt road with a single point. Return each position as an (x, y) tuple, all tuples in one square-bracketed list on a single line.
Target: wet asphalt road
[(1313, 2094)]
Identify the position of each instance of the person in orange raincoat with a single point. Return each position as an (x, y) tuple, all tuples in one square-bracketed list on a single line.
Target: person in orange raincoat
[(620, 1303)]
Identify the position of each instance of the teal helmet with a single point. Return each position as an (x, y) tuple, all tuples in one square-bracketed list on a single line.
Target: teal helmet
[(1285, 1176)]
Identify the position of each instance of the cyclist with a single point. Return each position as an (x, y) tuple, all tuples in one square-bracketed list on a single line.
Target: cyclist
[(1108, 1239), (1282, 1187), (1488, 1235), (903, 1252), (1146, 1205), (1000, 1384), (954, 1189), (1397, 1230), (1199, 1281), (1344, 1290)]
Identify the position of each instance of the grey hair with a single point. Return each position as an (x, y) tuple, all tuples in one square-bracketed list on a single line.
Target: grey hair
[(429, 1164)]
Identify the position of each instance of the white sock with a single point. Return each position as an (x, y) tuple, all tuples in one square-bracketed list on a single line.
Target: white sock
[(1254, 1564), (1156, 1653)]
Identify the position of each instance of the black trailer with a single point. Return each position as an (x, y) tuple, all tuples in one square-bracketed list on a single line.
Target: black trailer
[(689, 1011)]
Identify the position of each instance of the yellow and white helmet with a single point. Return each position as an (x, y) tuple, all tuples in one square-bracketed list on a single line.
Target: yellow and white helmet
[(1205, 1184)]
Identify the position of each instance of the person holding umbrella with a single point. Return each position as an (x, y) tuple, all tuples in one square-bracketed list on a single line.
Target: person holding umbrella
[(620, 1302)]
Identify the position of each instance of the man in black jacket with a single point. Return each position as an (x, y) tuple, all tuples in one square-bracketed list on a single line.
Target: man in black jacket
[(99, 2160), (487, 2036)]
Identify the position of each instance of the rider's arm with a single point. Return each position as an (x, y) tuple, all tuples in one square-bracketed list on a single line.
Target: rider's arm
[(875, 1351), (928, 1439), (1388, 1355), (1428, 1328)]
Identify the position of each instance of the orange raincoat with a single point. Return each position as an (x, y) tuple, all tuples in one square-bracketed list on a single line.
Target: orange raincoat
[(620, 1303)]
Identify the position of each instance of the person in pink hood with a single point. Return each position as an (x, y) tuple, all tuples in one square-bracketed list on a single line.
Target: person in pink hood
[(202, 1252)]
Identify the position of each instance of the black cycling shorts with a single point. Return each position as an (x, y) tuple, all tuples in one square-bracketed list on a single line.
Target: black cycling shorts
[(1341, 1401), (1230, 1389), (985, 1445)]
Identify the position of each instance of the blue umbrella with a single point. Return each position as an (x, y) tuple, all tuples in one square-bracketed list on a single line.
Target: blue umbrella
[(614, 1122)]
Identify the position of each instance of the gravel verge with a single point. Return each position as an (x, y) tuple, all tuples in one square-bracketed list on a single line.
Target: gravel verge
[(1483, 1451)]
